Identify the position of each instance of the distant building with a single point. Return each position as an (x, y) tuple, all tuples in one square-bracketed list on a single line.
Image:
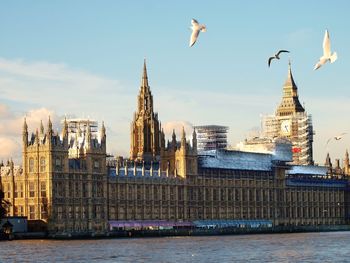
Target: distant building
[(292, 122), (211, 137)]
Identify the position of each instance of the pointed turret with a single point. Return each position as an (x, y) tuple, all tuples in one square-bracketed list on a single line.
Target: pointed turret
[(37, 137), (49, 127), (328, 162), (25, 133), (173, 141), (194, 140), (41, 127), (103, 134), (183, 138), (347, 163), (65, 132)]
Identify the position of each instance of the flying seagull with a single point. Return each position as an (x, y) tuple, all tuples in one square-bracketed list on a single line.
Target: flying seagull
[(327, 56), (277, 55), (337, 138), (196, 28)]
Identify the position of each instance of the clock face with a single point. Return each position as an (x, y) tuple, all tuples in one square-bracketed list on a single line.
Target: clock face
[(286, 127)]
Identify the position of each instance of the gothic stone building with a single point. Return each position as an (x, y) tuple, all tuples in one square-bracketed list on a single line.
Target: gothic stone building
[(66, 182)]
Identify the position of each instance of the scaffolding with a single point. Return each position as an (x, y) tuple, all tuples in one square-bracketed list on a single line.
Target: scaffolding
[(211, 137), (300, 134)]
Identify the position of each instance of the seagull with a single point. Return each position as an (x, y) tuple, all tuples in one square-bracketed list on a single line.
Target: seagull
[(277, 55), (337, 138), (196, 28), (327, 56)]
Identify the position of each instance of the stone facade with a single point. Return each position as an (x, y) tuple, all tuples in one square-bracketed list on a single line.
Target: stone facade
[(67, 193)]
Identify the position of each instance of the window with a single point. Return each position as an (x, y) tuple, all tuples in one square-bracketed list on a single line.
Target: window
[(44, 211), (96, 164), (85, 190), (58, 164), (31, 165), (42, 164), (59, 213), (77, 212), (42, 189), (16, 191), (20, 210), (31, 212), (31, 189)]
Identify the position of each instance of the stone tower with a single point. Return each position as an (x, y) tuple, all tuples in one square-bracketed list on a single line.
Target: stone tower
[(292, 122), (145, 127)]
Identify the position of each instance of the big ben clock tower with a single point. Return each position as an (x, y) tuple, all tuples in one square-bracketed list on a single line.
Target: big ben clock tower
[(292, 122)]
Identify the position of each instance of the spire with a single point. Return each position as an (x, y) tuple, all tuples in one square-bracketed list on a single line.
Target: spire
[(290, 101), (25, 133), (144, 80), (41, 127), (49, 126), (25, 126), (290, 80), (328, 162), (103, 130), (194, 139), (183, 137)]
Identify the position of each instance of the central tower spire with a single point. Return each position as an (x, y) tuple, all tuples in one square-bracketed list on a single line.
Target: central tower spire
[(145, 131)]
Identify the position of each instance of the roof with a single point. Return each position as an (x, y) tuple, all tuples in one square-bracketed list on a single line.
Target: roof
[(236, 160), (308, 169)]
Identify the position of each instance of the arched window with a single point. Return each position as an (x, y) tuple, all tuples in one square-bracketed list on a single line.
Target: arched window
[(31, 165), (42, 164)]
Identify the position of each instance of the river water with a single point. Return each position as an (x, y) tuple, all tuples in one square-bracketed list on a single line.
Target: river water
[(309, 247)]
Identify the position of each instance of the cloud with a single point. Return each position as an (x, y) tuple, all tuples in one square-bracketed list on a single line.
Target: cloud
[(9, 148), (55, 84), (177, 126), (11, 125)]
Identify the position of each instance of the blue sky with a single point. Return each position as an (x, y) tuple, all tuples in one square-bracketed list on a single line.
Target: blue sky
[(84, 58)]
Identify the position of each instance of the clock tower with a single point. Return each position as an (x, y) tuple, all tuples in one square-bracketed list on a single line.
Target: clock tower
[(292, 122)]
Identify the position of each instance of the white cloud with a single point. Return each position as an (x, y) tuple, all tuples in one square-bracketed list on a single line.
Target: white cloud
[(168, 128), (9, 148), (11, 125)]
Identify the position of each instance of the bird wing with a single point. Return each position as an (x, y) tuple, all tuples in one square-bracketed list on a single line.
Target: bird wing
[(194, 36), (282, 51), (194, 22), (328, 141), (326, 45), (271, 58)]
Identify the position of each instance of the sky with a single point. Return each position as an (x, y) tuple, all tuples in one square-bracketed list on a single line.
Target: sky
[(85, 58)]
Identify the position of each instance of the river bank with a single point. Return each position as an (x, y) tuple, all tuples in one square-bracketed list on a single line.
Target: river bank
[(130, 233)]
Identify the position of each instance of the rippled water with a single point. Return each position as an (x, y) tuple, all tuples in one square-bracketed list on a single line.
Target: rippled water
[(310, 247)]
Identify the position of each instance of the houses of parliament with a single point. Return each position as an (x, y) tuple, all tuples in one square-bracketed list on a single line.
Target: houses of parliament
[(67, 181)]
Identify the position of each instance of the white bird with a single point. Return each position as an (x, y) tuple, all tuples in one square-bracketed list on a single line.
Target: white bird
[(327, 56), (196, 28), (277, 55), (337, 138)]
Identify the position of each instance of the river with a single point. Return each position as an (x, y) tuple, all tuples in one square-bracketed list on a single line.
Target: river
[(309, 247)]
